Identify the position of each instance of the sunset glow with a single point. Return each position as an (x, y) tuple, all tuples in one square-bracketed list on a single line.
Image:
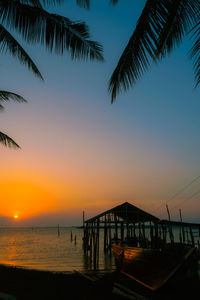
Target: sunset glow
[(83, 153)]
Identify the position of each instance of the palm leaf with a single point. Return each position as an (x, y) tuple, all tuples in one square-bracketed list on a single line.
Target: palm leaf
[(83, 3), (6, 96), (7, 141), (9, 43), (57, 33), (52, 2), (86, 3), (181, 16), (195, 52), (35, 3), (141, 46), (38, 3), (161, 26), (113, 2)]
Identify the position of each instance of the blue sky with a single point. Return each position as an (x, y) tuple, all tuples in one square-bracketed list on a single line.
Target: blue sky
[(141, 149)]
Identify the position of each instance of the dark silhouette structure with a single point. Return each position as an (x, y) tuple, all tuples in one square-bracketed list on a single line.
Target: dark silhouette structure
[(127, 222)]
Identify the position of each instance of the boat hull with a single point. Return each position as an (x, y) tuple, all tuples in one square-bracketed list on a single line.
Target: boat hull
[(150, 267)]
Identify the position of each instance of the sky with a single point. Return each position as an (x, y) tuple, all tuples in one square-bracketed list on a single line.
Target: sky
[(79, 152)]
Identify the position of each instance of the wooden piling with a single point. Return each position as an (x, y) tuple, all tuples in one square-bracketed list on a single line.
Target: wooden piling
[(116, 228), (192, 237), (122, 231), (169, 226), (134, 233), (182, 227), (97, 241), (105, 235), (143, 230), (110, 233)]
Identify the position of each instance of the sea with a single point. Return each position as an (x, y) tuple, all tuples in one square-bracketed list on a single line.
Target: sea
[(45, 249)]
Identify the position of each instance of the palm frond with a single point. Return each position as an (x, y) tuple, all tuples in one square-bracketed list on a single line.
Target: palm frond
[(1, 107), (7, 141), (38, 3), (35, 3), (161, 27), (7, 96), (195, 52), (83, 3), (52, 2), (181, 16), (114, 2), (9, 43), (86, 3), (141, 46), (57, 33)]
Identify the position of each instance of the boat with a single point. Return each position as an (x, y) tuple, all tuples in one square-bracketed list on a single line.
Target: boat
[(151, 267)]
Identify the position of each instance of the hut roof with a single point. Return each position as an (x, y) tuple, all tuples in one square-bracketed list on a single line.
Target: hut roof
[(127, 212)]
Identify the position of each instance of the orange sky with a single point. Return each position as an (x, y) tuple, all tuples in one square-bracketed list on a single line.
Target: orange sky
[(33, 197)]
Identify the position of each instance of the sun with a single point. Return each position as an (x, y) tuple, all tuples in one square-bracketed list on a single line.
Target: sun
[(15, 217)]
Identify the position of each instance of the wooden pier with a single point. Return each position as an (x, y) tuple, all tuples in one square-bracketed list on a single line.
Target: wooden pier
[(126, 222)]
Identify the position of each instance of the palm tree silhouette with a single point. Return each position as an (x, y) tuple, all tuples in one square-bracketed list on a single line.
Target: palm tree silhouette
[(4, 97), (36, 25), (161, 27)]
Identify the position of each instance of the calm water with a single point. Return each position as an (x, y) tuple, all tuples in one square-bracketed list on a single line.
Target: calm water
[(43, 249)]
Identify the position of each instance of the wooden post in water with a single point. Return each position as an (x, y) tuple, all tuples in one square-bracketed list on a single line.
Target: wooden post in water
[(84, 233), (83, 219), (140, 234), (91, 236), (97, 242), (192, 237), (143, 230), (134, 234), (156, 229), (122, 231), (94, 244), (71, 236), (164, 233), (116, 227), (127, 231), (89, 239), (110, 234), (86, 240), (132, 231), (170, 228), (151, 234), (105, 234), (58, 230), (187, 235), (182, 227)]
